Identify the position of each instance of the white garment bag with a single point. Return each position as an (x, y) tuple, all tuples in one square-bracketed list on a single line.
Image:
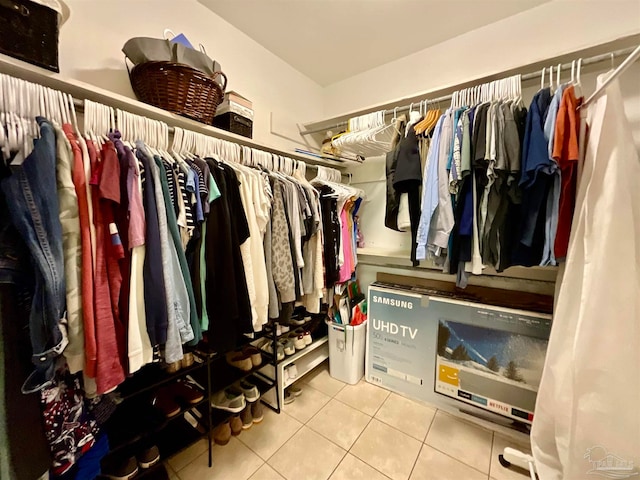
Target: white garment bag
[(587, 417)]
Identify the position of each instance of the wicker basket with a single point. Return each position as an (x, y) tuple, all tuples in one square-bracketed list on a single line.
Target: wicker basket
[(178, 88)]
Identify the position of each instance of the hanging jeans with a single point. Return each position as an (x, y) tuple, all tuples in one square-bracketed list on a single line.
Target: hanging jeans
[(31, 194)]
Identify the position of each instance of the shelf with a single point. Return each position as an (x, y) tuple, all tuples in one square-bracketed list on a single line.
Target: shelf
[(151, 377), (81, 91), (139, 420), (178, 437), (401, 259), (601, 52), (305, 351), (308, 363), (223, 376)]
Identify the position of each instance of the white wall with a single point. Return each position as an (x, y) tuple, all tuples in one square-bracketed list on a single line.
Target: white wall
[(547, 31), (92, 39)]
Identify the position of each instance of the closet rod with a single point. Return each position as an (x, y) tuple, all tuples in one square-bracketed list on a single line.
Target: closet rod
[(528, 76), (79, 104)]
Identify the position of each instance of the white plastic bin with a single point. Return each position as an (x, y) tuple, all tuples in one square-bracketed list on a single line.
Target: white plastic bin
[(346, 351)]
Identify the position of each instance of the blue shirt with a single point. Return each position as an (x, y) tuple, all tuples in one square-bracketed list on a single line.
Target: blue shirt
[(429, 192)]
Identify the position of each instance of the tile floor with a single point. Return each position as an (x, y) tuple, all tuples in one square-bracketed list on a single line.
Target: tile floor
[(351, 432)]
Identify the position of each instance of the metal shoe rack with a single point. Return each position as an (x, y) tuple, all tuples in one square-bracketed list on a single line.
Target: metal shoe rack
[(136, 422)]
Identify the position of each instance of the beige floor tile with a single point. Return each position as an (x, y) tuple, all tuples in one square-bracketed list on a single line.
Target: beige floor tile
[(364, 396), (352, 468), (306, 405), (266, 437), (340, 423), (435, 465), (172, 475), (320, 379), (387, 450), (265, 472), (498, 472), (459, 439), (184, 458), (232, 461), (410, 417), (308, 456)]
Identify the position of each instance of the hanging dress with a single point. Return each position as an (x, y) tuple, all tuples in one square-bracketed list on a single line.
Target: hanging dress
[(587, 420)]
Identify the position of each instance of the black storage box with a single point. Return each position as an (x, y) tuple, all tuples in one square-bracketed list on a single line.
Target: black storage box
[(235, 123), (29, 32)]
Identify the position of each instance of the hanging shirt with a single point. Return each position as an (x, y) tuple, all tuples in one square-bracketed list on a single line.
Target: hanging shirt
[(565, 152), (553, 199), (443, 221), (105, 190), (429, 192), (535, 181), (88, 313)]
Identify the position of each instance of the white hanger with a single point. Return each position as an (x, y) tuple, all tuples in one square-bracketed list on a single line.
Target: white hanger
[(578, 85)]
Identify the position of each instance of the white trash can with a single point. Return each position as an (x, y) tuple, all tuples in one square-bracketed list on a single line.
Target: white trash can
[(346, 351)]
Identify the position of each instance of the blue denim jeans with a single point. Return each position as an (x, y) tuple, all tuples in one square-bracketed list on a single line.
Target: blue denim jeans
[(33, 205)]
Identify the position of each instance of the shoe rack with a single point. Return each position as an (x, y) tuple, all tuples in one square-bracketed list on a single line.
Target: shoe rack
[(136, 422), (305, 360)]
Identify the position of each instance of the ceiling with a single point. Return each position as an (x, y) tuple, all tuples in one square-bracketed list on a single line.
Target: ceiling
[(330, 40)]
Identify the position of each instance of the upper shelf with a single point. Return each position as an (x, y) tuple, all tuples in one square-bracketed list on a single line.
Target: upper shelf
[(591, 56), (84, 91)]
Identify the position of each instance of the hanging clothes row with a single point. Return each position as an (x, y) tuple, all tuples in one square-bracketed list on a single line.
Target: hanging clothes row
[(140, 248), (160, 238), (488, 182)]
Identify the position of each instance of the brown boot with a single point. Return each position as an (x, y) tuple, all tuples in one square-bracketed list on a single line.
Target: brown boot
[(222, 434), (236, 425)]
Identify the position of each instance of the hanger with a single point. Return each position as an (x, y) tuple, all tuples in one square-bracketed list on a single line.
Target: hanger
[(578, 85)]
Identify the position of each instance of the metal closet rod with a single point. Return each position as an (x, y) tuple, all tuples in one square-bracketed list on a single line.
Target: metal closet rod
[(79, 104), (527, 76)]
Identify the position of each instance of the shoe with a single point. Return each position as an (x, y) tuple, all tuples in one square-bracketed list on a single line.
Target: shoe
[(285, 328), (297, 321), (267, 346), (249, 390), (228, 400), (292, 371), (124, 470), (236, 424), (306, 335), (288, 346), (187, 392), (298, 340), (187, 360), (164, 401), (278, 330), (285, 375), (295, 390), (240, 360), (247, 417), (288, 398), (173, 367), (253, 353), (222, 434), (257, 412), (149, 457)]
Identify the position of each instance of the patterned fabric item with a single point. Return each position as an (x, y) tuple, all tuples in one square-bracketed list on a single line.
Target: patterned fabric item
[(69, 426)]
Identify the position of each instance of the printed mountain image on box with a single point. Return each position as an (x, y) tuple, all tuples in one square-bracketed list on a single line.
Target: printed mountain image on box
[(494, 369)]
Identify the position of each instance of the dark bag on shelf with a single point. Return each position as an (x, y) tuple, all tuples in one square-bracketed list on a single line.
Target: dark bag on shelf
[(29, 32)]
